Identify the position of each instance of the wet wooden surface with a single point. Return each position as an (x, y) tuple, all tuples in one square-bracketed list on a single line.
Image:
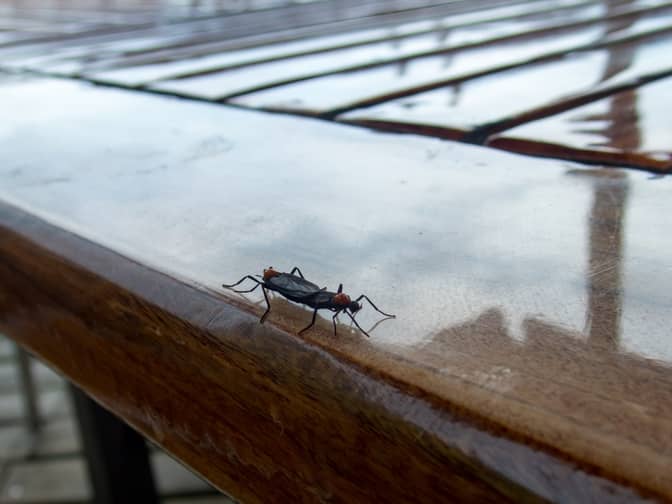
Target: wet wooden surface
[(529, 323), (475, 108), (530, 358), (588, 133), (419, 66), (463, 62)]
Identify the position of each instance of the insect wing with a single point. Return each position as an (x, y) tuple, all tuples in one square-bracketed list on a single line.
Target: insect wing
[(323, 299), (293, 286)]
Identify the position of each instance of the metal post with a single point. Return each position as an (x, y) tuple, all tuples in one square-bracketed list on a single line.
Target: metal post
[(117, 455), (27, 387)]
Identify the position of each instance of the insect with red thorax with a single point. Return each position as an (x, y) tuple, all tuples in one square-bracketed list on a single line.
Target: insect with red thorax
[(296, 288)]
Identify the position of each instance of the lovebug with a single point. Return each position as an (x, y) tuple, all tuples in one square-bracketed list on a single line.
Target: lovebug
[(296, 288)]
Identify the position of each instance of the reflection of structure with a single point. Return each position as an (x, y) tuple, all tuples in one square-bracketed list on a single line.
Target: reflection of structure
[(603, 283), (580, 376), (610, 192), (621, 119), (605, 224), (605, 257), (620, 56), (482, 347)]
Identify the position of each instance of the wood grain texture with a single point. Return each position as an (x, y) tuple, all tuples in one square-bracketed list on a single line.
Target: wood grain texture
[(256, 411), (530, 353)]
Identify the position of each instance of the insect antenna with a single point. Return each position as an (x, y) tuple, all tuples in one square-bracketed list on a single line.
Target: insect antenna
[(246, 291), (374, 306), (241, 281)]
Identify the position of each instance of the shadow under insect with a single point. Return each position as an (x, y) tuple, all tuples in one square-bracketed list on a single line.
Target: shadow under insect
[(296, 288)]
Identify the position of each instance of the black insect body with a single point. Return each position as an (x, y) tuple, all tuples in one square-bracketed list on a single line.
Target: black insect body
[(295, 287)]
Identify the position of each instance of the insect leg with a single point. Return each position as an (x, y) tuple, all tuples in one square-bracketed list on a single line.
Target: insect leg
[(340, 289), (248, 290), (333, 319), (241, 281), (312, 322), (374, 306), (358, 326), (296, 268), (268, 305)]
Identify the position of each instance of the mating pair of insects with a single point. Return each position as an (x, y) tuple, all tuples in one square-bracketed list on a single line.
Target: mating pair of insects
[(296, 288)]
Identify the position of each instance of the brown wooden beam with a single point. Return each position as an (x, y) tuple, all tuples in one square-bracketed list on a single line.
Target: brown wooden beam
[(259, 413)]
